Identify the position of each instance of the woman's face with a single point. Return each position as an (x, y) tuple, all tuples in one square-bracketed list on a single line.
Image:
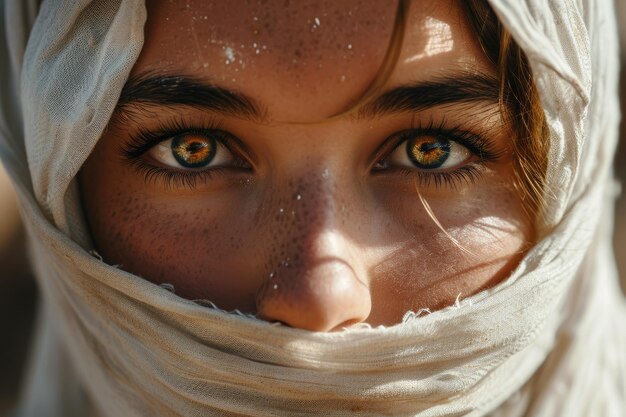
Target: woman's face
[(224, 172)]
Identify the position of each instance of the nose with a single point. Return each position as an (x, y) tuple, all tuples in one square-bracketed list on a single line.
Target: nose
[(316, 282)]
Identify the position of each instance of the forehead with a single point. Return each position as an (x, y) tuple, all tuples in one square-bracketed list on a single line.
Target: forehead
[(304, 60)]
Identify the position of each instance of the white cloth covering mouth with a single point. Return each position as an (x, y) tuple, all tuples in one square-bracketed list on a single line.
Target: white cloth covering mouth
[(548, 341)]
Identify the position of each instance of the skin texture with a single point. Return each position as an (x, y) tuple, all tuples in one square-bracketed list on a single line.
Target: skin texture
[(310, 232)]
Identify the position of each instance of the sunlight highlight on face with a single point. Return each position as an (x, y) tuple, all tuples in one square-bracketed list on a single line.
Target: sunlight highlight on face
[(439, 35)]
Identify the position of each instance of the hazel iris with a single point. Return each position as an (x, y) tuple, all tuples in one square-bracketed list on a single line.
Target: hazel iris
[(428, 152), (193, 150)]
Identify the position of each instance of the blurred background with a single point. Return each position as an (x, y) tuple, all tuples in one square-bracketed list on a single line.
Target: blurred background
[(18, 297), (18, 293)]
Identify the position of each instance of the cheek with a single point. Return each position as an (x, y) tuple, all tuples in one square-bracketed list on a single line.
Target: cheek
[(192, 241), (194, 244), (470, 243)]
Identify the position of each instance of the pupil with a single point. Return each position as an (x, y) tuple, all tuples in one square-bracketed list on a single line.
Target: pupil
[(193, 152), (195, 147), (428, 152), (429, 147)]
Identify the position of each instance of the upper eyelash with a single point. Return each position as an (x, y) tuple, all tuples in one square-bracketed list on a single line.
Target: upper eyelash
[(477, 143), (145, 139)]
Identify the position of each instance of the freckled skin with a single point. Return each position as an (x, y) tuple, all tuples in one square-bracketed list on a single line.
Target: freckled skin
[(309, 236)]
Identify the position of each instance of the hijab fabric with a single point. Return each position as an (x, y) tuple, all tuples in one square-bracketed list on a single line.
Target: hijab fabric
[(549, 340)]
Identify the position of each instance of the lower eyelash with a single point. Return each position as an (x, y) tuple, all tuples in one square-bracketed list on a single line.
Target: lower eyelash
[(173, 179), (467, 174)]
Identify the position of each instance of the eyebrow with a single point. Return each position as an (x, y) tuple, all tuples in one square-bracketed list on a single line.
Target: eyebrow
[(464, 88), (178, 90)]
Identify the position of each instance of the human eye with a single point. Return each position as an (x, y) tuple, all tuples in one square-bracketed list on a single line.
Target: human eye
[(437, 156), (181, 156), (430, 152), (191, 150)]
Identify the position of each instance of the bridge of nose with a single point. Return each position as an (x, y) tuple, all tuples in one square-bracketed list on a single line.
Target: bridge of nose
[(315, 281)]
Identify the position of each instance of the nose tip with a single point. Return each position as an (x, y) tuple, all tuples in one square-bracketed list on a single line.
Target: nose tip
[(325, 296)]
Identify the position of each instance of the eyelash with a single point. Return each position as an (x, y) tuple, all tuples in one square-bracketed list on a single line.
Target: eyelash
[(145, 139), (478, 145)]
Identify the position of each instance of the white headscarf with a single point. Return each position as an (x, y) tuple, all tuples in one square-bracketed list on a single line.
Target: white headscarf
[(550, 340)]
